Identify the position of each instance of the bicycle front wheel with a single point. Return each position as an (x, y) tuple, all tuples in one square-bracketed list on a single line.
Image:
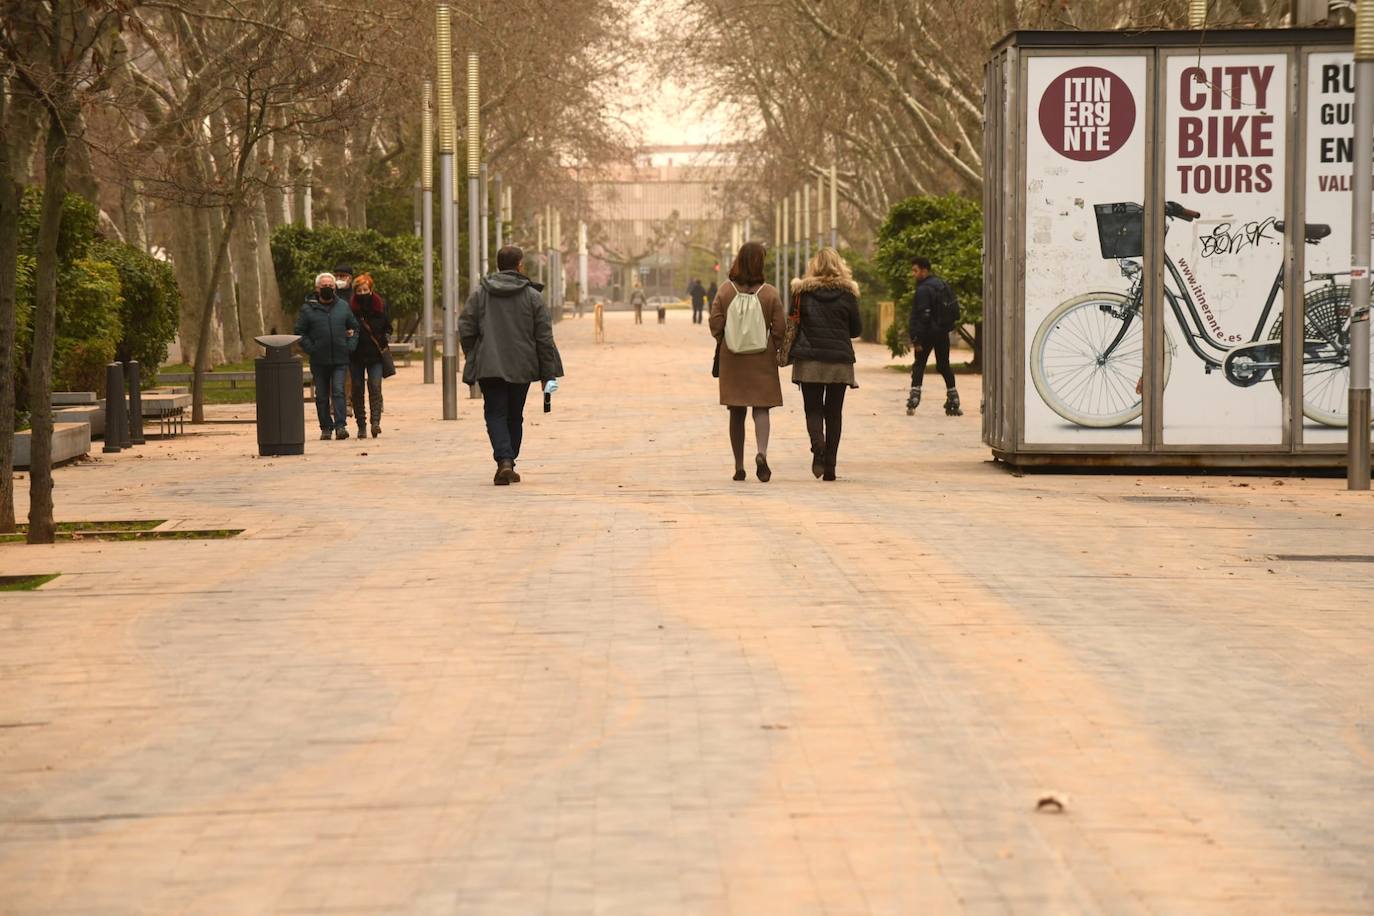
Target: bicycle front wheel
[(1072, 369)]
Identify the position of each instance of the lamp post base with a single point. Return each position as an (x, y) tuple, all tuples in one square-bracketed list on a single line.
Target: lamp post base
[(1357, 473), (450, 387)]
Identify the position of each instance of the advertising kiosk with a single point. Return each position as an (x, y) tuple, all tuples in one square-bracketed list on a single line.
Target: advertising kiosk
[(1162, 211)]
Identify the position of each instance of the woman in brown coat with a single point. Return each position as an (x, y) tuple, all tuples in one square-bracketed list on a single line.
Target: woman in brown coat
[(750, 379)]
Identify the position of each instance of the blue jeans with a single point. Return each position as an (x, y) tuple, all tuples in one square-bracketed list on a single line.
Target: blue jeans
[(373, 371), (503, 405), (329, 390)]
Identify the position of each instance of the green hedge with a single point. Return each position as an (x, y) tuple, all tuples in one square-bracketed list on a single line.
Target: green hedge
[(949, 231), (114, 301), (150, 305), (395, 262)]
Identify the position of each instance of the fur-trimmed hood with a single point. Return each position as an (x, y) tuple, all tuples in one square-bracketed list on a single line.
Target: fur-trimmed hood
[(814, 284)]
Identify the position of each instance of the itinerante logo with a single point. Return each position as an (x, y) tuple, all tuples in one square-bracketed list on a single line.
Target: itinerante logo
[(1087, 113)]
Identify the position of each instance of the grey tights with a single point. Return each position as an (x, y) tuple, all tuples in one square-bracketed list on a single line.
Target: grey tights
[(761, 430)]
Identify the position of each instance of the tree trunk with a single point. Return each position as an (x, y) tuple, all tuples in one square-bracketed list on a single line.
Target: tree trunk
[(227, 295), (245, 254), (354, 171), (207, 317), (975, 342), (42, 528), (276, 205), (9, 252), (273, 318), (187, 248), (134, 216)]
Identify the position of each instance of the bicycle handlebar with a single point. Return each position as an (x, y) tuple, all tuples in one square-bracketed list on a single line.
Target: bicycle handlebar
[(1178, 211)]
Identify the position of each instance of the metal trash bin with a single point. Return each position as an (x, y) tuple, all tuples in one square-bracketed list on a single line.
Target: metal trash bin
[(281, 409)]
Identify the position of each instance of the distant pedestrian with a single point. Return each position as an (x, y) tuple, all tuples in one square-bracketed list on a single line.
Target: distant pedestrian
[(374, 335), (827, 300), (747, 319), (637, 300), (934, 316), (329, 334), (507, 336), (711, 292), (698, 294), (343, 282)]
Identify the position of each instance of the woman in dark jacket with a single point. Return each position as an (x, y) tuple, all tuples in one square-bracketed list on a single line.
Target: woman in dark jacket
[(823, 354), (374, 331)]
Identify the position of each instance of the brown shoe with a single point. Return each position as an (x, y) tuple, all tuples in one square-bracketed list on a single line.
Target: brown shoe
[(514, 475), (505, 470)]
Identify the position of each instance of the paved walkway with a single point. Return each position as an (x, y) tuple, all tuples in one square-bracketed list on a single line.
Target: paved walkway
[(630, 685)]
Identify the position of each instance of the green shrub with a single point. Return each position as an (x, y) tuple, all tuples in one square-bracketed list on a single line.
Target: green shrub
[(151, 304), (949, 231), (114, 301), (89, 302), (80, 225), (88, 325), (395, 263)]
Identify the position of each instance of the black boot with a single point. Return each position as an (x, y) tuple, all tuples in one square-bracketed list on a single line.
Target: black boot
[(952, 404), (913, 400)]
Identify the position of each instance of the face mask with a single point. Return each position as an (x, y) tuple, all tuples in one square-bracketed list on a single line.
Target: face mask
[(366, 297), (326, 294)]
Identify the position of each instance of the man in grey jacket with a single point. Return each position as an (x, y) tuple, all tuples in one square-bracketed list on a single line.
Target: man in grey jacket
[(507, 337)]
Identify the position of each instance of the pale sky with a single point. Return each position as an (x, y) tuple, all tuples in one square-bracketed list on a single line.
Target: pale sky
[(671, 118)]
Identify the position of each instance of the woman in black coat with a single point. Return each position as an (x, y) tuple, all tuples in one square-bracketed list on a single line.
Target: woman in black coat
[(827, 300), (365, 364)]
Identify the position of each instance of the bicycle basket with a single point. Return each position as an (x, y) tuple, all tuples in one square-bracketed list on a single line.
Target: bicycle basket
[(1121, 230)]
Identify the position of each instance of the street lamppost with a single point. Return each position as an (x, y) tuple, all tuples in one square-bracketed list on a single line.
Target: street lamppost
[(448, 130), (834, 209), (1357, 432), (427, 222), (476, 237)]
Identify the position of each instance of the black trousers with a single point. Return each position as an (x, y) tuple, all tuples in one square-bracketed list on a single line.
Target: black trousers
[(503, 406), (925, 344), (824, 407)]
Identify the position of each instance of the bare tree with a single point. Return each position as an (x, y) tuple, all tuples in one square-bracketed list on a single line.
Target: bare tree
[(889, 92), (53, 46)]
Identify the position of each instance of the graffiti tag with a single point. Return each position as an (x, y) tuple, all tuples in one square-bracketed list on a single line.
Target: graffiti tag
[(1227, 240)]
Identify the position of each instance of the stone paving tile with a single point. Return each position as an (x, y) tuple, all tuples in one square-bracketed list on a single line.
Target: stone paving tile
[(631, 685)]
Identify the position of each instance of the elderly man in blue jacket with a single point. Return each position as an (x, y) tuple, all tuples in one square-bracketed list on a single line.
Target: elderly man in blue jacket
[(329, 333)]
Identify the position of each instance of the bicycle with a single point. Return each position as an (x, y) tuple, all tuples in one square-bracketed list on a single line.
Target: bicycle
[(1087, 356)]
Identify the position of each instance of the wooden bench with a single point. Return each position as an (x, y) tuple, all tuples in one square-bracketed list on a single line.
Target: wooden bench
[(168, 408), (233, 378), (402, 351)]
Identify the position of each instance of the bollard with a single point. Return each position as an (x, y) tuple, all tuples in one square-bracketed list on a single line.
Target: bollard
[(114, 380), (135, 403), (122, 412), (599, 322)]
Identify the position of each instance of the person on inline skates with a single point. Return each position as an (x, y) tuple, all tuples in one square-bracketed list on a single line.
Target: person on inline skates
[(934, 316)]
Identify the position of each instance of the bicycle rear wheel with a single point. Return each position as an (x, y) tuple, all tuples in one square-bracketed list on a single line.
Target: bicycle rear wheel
[(1325, 370), (1072, 370)]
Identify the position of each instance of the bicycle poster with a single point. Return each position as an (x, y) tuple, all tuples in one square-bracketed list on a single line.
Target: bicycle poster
[(1085, 145), (1224, 142), (1330, 88)]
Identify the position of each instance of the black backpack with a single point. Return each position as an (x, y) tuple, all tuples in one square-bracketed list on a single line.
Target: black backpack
[(946, 312)]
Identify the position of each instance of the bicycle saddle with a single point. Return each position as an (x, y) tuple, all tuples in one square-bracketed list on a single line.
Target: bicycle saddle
[(1312, 232)]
